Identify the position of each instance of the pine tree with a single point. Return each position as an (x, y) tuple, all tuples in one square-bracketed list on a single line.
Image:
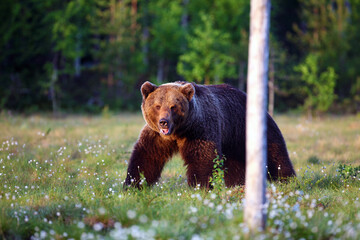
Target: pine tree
[(206, 60)]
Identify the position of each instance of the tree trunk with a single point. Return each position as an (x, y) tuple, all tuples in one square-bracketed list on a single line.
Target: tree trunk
[(77, 61), (271, 84), (110, 75), (133, 15), (145, 35), (241, 76), (184, 22), (184, 17), (53, 79), (160, 71), (133, 21), (254, 215)]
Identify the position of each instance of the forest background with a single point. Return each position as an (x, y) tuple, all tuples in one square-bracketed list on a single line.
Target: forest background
[(93, 55)]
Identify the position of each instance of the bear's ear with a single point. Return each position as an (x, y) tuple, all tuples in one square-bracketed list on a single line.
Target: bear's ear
[(147, 88), (188, 90)]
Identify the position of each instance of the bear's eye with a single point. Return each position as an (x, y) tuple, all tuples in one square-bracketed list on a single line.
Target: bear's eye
[(173, 108), (157, 107)]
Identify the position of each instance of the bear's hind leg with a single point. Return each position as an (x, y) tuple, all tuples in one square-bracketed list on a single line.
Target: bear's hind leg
[(279, 166), (234, 172)]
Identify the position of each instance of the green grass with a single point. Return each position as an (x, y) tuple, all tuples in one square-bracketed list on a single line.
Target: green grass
[(62, 179)]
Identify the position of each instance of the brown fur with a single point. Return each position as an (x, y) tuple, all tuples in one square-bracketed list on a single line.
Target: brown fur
[(199, 122)]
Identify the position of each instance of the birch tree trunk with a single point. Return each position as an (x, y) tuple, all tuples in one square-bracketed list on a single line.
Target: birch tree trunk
[(255, 199)]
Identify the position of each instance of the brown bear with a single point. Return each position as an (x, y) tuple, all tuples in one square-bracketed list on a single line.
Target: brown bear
[(199, 122)]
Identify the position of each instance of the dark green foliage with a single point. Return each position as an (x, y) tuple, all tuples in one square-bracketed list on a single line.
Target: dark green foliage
[(83, 55), (327, 30), (24, 45), (313, 160)]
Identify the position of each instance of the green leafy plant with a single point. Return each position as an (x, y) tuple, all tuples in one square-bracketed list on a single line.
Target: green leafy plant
[(206, 60), (313, 160), (319, 86), (348, 172), (217, 179)]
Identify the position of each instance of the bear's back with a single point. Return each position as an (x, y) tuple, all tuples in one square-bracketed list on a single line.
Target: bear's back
[(224, 108), (230, 102)]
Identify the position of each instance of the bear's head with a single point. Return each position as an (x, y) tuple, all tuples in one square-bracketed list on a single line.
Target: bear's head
[(166, 107)]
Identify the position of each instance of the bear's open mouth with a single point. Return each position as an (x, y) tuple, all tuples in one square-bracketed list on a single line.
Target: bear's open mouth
[(166, 131), (165, 126)]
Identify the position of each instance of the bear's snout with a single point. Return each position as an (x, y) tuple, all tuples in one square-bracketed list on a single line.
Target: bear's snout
[(164, 123), (165, 126)]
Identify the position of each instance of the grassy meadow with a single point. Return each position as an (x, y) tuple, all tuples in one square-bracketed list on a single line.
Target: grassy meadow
[(62, 179)]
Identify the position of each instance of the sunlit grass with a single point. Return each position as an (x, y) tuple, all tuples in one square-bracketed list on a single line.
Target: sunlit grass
[(62, 179)]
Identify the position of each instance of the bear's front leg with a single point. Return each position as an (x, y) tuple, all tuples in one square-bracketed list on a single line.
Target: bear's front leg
[(199, 156), (149, 156)]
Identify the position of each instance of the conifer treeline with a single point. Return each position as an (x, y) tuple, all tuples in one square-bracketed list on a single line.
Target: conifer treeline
[(87, 54)]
